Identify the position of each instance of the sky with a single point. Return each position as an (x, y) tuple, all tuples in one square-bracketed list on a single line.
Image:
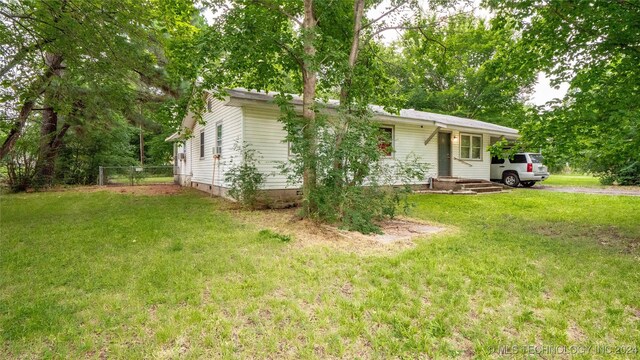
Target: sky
[(543, 91)]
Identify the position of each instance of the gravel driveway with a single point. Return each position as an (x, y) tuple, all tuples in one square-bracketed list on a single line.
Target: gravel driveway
[(628, 191)]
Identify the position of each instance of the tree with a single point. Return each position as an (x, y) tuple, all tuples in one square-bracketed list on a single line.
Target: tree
[(460, 66), (314, 47), (77, 62), (594, 45)]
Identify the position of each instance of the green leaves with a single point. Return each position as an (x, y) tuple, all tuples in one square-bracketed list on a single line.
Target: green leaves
[(462, 67), (594, 46)]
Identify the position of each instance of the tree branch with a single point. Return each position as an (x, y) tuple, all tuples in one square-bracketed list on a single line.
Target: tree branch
[(20, 55), (400, 4), (277, 8)]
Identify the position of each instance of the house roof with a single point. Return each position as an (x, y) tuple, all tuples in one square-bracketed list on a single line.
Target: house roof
[(409, 114), (443, 121)]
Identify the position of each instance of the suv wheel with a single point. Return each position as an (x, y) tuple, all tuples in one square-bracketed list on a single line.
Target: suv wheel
[(528, 183), (510, 179)]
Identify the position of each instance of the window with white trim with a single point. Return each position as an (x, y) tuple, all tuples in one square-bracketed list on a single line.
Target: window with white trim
[(202, 144), (385, 140), (470, 147), (219, 139)]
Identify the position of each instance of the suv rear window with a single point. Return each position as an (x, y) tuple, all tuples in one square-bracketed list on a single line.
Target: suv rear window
[(518, 159), (536, 158), (497, 160)]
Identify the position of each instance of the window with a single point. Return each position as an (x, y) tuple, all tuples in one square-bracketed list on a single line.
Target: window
[(518, 159), (219, 139), (497, 160), (536, 158), (209, 105), (385, 140), (201, 144), (470, 147)]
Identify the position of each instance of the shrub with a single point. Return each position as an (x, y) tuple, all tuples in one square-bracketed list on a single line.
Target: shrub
[(244, 178), (357, 186), (21, 161)]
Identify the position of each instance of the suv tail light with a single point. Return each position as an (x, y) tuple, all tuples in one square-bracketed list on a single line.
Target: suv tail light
[(529, 167)]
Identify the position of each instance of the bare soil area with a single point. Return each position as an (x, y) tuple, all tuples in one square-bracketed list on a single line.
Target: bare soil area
[(398, 234), (168, 189)]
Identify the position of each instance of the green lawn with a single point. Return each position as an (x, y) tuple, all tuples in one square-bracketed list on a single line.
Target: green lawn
[(122, 276), (572, 180)]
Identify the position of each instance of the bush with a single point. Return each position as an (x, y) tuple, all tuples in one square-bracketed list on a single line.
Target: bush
[(357, 186), (626, 175), (244, 178), (21, 161)]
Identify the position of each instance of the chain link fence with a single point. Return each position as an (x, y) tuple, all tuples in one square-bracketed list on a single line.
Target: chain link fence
[(135, 175)]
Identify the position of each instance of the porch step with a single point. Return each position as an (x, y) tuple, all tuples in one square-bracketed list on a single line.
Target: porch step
[(465, 186), (474, 186), (487, 189), (472, 181)]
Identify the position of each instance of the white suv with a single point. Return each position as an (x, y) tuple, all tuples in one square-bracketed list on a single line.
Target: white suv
[(523, 168)]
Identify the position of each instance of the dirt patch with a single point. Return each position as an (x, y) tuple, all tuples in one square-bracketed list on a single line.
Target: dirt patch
[(168, 189), (397, 234), (575, 334), (607, 236)]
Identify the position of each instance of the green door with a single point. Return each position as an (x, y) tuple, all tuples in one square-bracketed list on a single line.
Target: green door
[(444, 154)]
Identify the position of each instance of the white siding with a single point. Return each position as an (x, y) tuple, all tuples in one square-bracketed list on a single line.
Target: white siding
[(409, 141), (265, 133), (259, 127), (479, 169), (202, 168)]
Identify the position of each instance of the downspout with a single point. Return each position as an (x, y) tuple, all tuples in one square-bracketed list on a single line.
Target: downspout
[(213, 175)]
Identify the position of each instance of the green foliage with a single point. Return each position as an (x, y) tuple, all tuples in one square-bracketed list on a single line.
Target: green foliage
[(112, 65), (461, 67), (244, 178), (21, 162), (96, 145), (593, 46), (358, 185)]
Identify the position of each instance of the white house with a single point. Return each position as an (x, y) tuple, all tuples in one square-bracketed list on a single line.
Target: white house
[(456, 147)]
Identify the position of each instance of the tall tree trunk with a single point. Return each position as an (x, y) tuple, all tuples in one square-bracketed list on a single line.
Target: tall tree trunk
[(37, 88), (141, 147), (310, 77), (345, 94), (45, 167), (50, 138), (358, 13)]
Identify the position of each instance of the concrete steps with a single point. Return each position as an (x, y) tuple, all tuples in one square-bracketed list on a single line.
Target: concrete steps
[(488, 189), (451, 185), (481, 187)]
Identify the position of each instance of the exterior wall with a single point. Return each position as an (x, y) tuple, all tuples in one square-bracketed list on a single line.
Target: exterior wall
[(409, 142), (259, 127), (479, 169), (266, 134), (196, 169)]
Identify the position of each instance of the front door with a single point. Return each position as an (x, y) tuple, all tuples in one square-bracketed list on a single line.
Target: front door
[(444, 154)]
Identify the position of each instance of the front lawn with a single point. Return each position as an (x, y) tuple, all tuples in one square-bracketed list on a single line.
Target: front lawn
[(127, 276), (572, 180)]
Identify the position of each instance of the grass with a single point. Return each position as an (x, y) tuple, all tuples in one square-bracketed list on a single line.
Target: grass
[(573, 180), (109, 275)]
